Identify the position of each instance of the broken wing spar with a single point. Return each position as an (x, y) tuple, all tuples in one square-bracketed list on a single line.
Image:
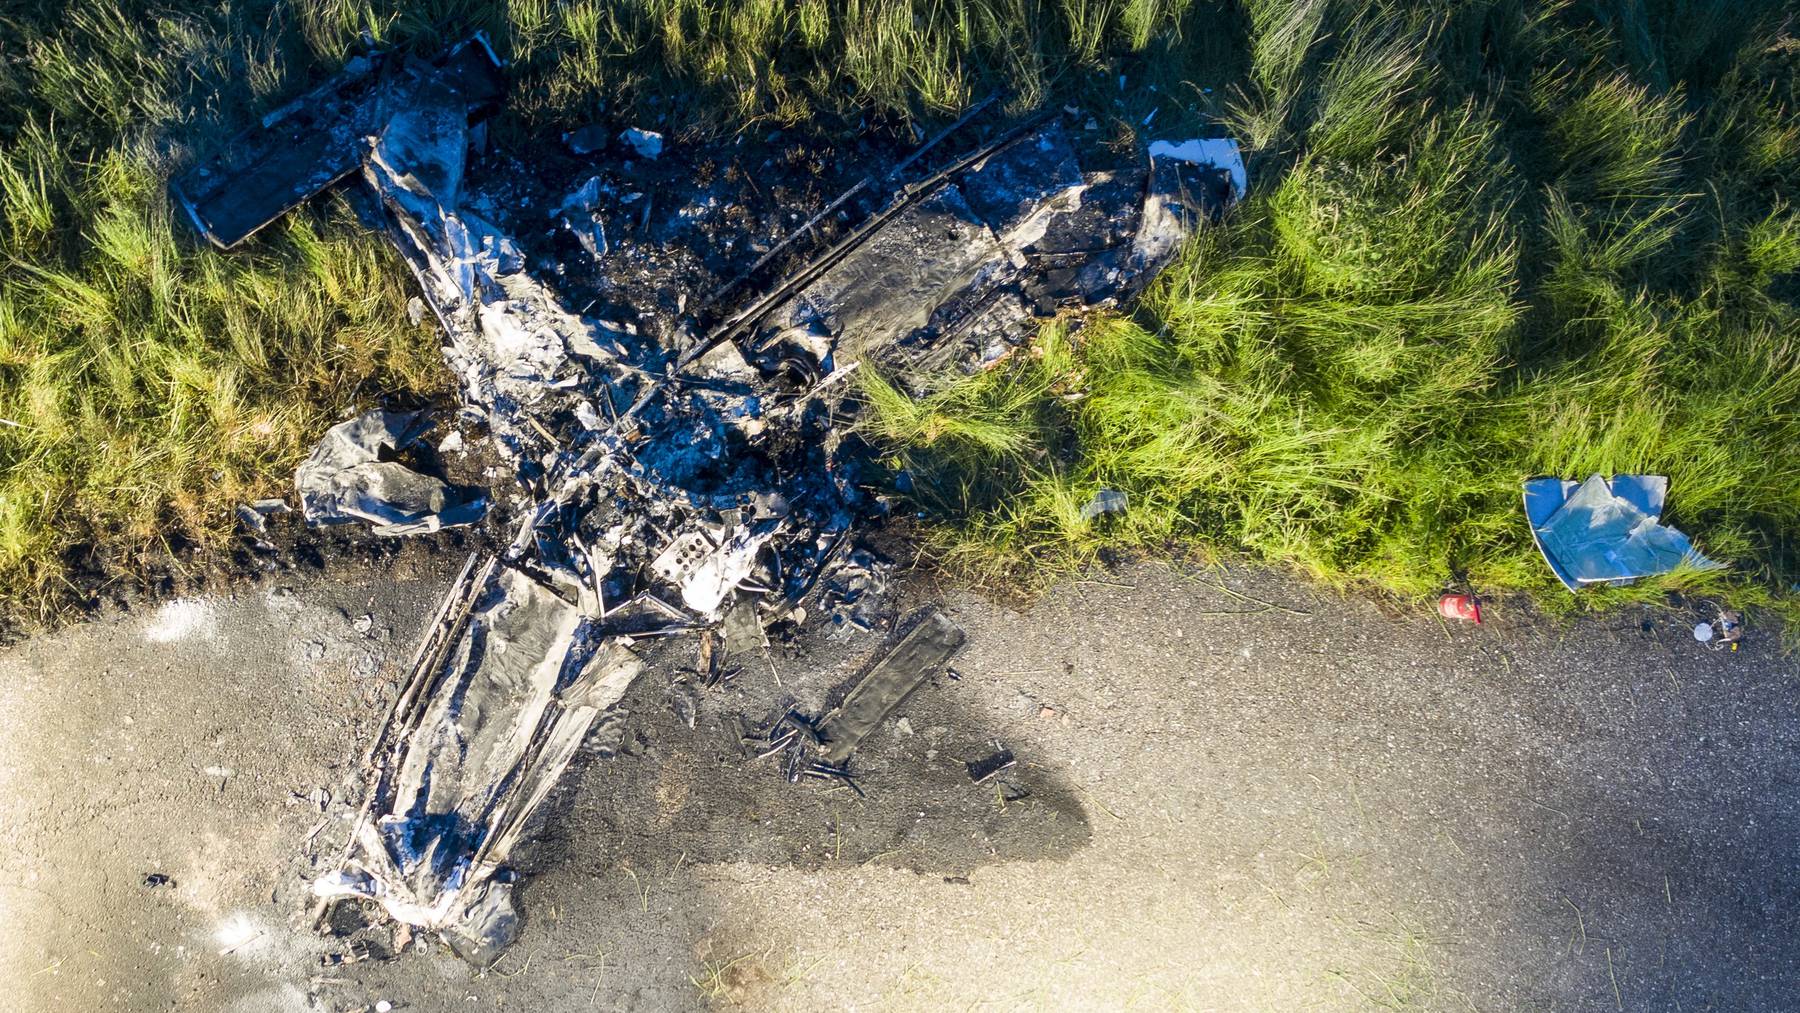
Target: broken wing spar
[(656, 504)]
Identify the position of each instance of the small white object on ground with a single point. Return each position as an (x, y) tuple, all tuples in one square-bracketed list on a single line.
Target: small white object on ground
[(1703, 632), (647, 143), (383, 1006), (1222, 152)]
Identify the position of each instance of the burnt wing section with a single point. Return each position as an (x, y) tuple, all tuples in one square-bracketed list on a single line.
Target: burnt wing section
[(956, 279), (319, 139)]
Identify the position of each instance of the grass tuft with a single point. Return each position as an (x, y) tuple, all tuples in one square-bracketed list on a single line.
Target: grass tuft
[(1451, 275)]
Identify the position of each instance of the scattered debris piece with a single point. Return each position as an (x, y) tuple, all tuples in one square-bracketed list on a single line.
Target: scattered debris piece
[(981, 770), (1106, 501), (647, 143), (1220, 153), (580, 213), (1731, 628), (156, 879), (1601, 532), (355, 952), (350, 477), (255, 516), (850, 596), (794, 737), (825, 771), (1464, 607), (1724, 632), (922, 651), (319, 798), (586, 140), (742, 629), (684, 701)]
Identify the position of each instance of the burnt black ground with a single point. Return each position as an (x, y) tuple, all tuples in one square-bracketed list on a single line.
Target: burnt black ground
[(1241, 793)]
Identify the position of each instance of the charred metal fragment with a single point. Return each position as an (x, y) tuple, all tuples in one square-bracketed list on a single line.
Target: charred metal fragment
[(986, 767), (504, 690), (304, 147), (932, 642), (351, 476), (955, 277)]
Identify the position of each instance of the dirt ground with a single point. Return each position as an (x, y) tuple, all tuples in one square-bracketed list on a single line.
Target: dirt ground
[(1234, 791)]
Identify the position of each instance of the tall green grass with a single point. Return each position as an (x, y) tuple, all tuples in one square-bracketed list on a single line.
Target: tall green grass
[(715, 65), (1486, 241), (147, 384)]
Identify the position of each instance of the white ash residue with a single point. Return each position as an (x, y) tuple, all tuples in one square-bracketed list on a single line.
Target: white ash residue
[(182, 619)]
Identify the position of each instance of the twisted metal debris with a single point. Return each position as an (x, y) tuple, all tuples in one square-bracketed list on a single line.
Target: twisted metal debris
[(677, 478)]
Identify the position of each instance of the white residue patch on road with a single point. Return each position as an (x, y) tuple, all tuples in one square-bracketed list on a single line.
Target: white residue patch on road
[(181, 619), (237, 933)]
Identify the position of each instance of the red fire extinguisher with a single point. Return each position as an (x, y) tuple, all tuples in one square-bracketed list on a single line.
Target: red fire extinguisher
[(1460, 606)]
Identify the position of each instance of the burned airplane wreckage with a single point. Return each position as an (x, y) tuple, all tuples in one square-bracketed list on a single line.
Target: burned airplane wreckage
[(681, 474)]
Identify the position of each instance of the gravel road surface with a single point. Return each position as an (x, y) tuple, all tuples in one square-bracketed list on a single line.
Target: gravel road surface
[(1234, 791)]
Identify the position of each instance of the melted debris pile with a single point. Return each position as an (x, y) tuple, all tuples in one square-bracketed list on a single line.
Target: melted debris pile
[(677, 467), (352, 476)]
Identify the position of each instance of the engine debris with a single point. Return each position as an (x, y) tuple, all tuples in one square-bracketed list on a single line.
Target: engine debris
[(921, 652)]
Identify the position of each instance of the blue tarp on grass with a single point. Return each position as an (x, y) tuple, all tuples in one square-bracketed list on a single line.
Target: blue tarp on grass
[(1601, 532)]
